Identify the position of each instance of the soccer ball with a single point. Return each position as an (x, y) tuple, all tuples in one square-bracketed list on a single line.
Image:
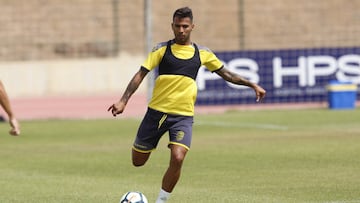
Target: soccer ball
[(133, 197)]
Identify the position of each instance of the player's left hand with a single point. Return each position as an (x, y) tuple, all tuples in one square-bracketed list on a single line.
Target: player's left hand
[(260, 93)]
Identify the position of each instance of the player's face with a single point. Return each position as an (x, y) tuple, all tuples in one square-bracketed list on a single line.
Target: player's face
[(182, 28)]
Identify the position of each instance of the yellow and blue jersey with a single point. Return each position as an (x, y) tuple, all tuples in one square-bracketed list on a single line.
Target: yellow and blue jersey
[(175, 88)]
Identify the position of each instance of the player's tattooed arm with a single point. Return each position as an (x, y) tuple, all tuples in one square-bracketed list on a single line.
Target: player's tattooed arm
[(237, 79), (118, 107), (133, 85), (233, 77)]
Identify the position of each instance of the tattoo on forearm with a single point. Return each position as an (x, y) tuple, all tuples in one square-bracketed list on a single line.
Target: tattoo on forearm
[(131, 88), (237, 79)]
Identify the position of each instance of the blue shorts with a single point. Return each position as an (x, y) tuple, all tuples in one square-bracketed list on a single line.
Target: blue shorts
[(155, 124)]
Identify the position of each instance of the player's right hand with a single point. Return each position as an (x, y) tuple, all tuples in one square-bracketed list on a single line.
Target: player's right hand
[(117, 108)]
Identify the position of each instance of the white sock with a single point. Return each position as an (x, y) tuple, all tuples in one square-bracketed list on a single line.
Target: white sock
[(163, 196)]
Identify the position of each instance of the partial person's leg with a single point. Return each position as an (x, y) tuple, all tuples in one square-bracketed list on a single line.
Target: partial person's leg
[(173, 172), (139, 158)]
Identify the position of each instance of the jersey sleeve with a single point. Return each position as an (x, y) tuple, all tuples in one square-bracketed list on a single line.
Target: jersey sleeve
[(154, 57), (210, 60)]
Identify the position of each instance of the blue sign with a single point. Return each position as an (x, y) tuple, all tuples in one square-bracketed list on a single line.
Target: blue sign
[(298, 75)]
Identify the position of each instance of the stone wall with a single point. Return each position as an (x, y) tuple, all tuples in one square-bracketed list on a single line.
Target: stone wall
[(61, 29)]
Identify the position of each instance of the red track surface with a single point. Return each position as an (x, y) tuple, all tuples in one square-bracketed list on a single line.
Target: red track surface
[(90, 107)]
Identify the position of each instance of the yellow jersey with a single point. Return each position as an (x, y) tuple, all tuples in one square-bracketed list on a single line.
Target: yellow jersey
[(175, 87)]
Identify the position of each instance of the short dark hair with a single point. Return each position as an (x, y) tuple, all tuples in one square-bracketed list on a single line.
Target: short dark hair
[(183, 12)]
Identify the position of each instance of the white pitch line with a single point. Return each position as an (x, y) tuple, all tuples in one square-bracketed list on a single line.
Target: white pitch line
[(241, 125), (344, 201)]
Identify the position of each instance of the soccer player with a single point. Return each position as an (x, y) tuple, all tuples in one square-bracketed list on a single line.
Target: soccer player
[(171, 107), (5, 103)]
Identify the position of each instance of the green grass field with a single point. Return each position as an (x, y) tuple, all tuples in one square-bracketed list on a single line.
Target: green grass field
[(241, 156)]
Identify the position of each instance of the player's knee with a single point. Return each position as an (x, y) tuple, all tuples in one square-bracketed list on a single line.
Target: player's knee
[(138, 163), (177, 160), (139, 159), (177, 155)]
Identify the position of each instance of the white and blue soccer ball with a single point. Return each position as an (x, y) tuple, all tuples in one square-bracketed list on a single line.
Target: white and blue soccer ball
[(133, 197)]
